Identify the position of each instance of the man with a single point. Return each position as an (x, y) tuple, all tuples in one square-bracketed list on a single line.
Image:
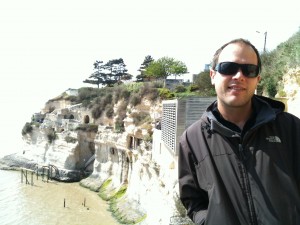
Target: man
[(240, 163)]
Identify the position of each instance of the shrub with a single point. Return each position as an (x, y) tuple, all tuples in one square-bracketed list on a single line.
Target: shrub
[(70, 139), (51, 135), (85, 103), (121, 112), (125, 94), (109, 111), (158, 84), (180, 89), (193, 88), (116, 96), (271, 87), (134, 87), (140, 117), (97, 111), (154, 94), (145, 89), (119, 125), (27, 129), (135, 99), (107, 99), (165, 93), (73, 99)]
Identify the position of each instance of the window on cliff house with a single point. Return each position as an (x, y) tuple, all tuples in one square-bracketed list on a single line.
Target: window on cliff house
[(86, 119)]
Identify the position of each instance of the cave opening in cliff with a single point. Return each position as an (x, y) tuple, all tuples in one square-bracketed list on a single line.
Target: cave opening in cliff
[(86, 119)]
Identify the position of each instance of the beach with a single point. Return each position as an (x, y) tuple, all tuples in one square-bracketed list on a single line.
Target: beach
[(49, 203)]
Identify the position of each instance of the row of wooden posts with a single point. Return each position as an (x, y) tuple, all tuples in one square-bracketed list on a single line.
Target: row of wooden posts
[(84, 201), (26, 172)]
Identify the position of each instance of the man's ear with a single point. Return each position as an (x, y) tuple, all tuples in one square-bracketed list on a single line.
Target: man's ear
[(258, 78), (212, 74)]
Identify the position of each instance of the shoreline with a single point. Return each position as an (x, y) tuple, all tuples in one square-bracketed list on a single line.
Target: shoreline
[(122, 209), (50, 202)]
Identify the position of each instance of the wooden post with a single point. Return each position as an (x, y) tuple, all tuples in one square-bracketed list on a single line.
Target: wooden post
[(48, 174), (37, 172), (50, 168), (31, 178), (26, 177)]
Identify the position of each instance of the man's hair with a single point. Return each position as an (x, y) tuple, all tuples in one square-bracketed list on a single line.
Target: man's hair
[(239, 40)]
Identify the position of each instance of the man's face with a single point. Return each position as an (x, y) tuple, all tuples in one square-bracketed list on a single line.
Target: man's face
[(235, 90)]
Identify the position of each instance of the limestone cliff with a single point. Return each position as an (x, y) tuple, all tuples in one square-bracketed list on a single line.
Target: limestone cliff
[(118, 165)]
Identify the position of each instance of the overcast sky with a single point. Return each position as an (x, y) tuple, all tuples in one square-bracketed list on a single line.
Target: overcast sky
[(47, 47)]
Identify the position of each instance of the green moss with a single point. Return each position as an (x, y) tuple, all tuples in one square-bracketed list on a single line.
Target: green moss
[(105, 191), (126, 211), (123, 209)]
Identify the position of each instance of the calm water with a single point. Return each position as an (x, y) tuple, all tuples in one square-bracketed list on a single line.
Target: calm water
[(43, 203)]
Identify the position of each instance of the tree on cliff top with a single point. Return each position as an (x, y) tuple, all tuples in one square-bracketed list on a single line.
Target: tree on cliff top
[(108, 74), (164, 67), (148, 59)]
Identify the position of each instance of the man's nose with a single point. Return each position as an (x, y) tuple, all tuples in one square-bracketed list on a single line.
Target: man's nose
[(239, 74)]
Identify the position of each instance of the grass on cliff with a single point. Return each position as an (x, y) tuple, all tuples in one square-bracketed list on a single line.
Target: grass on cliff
[(124, 210)]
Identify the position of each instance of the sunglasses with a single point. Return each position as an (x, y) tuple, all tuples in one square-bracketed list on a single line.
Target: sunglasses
[(231, 68)]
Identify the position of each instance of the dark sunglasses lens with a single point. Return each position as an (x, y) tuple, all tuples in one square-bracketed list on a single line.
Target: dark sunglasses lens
[(228, 68), (250, 70), (231, 68)]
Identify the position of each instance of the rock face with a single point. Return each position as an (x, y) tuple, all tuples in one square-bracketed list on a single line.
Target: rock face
[(117, 164), (291, 88)]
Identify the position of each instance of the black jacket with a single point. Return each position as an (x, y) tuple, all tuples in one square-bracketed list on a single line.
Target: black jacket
[(249, 177)]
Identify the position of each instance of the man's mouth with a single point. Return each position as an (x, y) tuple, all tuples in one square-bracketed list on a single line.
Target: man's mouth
[(236, 88)]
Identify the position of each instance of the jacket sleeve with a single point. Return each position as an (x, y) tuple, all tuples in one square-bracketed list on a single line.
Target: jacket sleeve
[(194, 199)]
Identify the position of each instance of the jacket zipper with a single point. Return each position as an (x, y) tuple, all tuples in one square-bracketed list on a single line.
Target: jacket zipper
[(246, 186)]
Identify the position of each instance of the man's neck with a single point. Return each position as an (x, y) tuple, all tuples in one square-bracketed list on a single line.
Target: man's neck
[(236, 115)]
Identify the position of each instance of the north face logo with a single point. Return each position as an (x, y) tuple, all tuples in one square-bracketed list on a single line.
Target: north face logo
[(273, 139)]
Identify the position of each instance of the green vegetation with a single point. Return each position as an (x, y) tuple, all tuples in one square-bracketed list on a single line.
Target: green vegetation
[(164, 67), (141, 77), (103, 191), (109, 73), (51, 135), (277, 63), (141, 118), (101, 101), (125, 211), (203, 83), (27, 129)]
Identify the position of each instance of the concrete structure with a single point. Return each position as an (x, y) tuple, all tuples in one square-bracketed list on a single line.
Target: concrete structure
[(177, 115)]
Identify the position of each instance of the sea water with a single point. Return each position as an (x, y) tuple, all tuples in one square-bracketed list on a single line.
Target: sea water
[(47, 203)]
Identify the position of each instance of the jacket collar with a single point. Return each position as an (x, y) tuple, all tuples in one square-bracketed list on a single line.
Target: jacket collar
[(266, 110)]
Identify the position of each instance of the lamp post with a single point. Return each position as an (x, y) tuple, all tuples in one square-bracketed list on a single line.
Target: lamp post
[(265, 41)]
